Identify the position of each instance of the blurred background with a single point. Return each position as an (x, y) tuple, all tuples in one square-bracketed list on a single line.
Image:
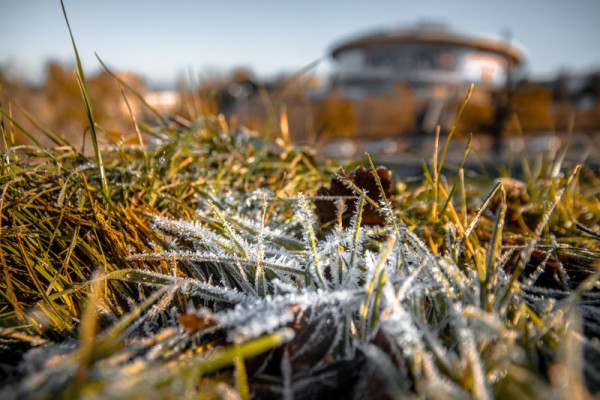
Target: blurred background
[(349, 77)]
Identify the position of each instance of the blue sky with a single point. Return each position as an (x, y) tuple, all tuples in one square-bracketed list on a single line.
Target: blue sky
[(164, 40)]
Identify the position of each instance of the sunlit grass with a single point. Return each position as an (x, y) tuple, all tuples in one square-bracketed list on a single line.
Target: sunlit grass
[(196, 265), (188, 214)]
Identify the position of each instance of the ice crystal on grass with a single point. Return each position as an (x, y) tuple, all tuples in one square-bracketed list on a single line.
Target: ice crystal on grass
[(312, 304), (342, 289)]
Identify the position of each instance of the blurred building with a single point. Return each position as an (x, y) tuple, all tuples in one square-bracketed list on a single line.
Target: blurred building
[(426, 69), (424, 55)]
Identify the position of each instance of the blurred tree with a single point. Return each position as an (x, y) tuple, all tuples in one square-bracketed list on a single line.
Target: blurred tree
[(531, 103), (380, 116), (561, 88), (334, 115), (477, 117), (62, 109), (58, 104)]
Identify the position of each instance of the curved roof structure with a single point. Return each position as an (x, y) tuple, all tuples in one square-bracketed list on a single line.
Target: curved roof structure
[(435, 34)]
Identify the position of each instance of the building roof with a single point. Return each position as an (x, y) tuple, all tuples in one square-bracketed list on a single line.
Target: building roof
[(427, 33)]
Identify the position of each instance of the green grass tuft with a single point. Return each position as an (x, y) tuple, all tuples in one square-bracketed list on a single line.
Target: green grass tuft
[(205, 273)]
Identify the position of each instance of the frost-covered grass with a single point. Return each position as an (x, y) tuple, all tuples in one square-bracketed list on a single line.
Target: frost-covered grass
[(198, 265), (204, 270)]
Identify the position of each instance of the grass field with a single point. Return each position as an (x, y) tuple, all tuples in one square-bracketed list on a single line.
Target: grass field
[(209, 263)]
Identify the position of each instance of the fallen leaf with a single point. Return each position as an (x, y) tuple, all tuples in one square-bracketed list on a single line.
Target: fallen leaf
[(327, 210)]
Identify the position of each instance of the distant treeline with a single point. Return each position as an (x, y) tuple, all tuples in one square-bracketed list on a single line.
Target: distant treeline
[(310, 110)]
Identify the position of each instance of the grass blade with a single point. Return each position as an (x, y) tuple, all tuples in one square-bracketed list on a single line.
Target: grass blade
[(88, 108)]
